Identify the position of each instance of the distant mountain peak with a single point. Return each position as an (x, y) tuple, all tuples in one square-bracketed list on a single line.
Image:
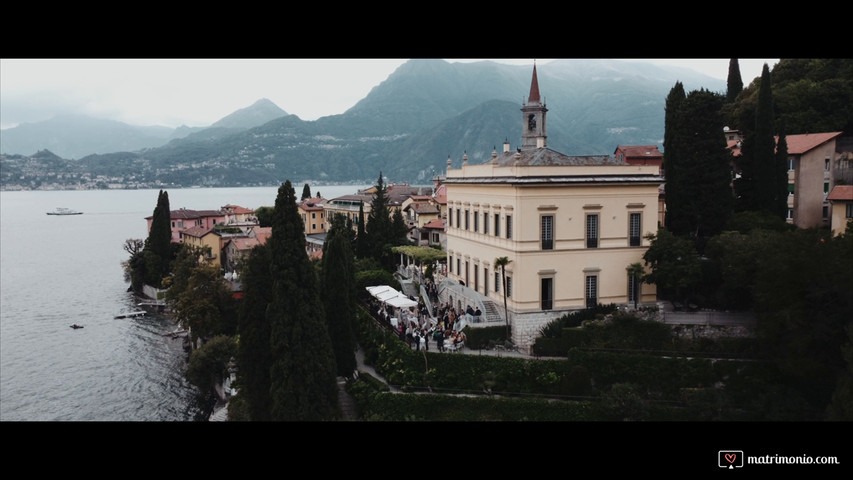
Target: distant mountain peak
[(259, 113)]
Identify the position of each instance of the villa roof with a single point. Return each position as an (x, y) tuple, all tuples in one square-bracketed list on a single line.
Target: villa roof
[(548, 157), (800, 144), (437, 224), (841, 193)]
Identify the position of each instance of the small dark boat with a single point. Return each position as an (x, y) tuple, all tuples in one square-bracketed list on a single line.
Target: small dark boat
[(75, 326)]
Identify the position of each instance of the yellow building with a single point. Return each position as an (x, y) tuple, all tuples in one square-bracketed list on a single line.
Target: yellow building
[(313, 215), (841, 208), (570, 227), (207, 239)]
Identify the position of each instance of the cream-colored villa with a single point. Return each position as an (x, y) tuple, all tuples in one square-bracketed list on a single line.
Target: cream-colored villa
[(570, 227)]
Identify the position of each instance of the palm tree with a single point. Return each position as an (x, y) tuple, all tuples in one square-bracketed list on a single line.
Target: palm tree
[(636, 271), (502, 262)]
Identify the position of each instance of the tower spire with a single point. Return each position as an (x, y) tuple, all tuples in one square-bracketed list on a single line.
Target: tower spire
[(534, 87)]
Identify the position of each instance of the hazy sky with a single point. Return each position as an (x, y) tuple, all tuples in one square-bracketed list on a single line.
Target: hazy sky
[(198, 92)]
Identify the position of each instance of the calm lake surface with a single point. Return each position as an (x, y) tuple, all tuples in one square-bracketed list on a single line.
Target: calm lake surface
[(56, 271)]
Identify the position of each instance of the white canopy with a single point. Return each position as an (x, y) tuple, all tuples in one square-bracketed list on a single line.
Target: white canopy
[(391, 296), (401, 301)]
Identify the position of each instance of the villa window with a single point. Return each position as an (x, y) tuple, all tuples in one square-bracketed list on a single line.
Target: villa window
[(497, 224), (547, 293), (634, 230), (792, 164), (633, 289), (591, 291), (476, 222), (547, 228), (508, 287), (485, 281), (509, 226), (458, 217), (466, 220), (476, 277), (849, 213), (497, 282), (791, 214), (485, 223), (592, 231)]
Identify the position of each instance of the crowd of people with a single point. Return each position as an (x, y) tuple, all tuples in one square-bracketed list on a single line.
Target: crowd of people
[(418, 328)]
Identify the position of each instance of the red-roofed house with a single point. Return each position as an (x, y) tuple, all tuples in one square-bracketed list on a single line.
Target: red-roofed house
[(183, 218), (841, 208), (815, 166), (639, 155), (235, 249)]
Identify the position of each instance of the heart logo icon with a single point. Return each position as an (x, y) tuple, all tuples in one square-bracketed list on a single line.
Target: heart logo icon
[(730, 457)]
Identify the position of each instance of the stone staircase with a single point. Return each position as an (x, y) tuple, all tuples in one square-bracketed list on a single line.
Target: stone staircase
[(491, 311)]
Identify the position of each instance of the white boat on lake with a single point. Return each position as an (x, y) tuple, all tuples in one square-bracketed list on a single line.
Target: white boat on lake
[(64, 211)]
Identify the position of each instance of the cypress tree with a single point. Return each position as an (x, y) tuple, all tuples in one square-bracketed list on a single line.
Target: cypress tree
[(763, 147), (735, 83), (779, 201), (671, 148), (704, 200), (361, 246), (306, 191), (339, 295), (303, 381), (379, 228), (158, 246), (253, 351)]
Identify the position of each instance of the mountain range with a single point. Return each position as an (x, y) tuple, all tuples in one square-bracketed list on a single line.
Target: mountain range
[(425, 113)]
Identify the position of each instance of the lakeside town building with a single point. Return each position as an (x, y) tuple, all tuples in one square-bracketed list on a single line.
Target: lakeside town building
[(569, 228)]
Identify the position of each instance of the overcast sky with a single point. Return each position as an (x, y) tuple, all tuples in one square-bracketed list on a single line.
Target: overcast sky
[(198, 92)]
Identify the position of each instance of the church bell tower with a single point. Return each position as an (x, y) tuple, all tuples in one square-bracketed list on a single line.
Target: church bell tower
[(533, 118)]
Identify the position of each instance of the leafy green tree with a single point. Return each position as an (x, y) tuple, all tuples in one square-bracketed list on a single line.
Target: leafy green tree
[(734, 82), (701, 200), (134, 267), (208, 365), (254, 355), (206, 307), (264, 215), (306, 192), (303, 380), (338, 287), (803, 306), (674, 263)]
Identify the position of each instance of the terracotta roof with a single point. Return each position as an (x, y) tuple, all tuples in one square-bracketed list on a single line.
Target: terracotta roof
[(237, 209), (437, 224), (841, 193), (441, 194), (644, 151), (263, 234), (423, 208), (186, 214), (800, 144), (196, 231), (245, 243)]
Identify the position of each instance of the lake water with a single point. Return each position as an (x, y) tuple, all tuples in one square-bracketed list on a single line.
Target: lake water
[(56, 271)]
